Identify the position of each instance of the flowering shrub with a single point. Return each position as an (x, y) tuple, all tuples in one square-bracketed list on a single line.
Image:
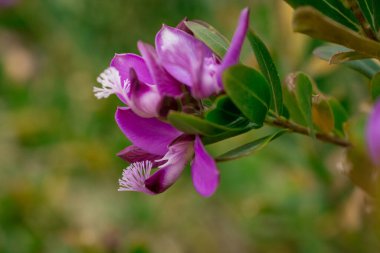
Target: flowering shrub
[(190, 91)]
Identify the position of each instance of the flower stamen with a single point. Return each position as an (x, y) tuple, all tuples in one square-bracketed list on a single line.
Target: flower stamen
[(134, 176), (111, 84)]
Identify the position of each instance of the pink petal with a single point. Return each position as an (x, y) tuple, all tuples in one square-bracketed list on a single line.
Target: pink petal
[(208, 84), (181, 54), (134, 154), (166, 84), (145, 100), (123, 62), (204, 171), (149, 134), (232, 55), (373, 134), (176, 158)]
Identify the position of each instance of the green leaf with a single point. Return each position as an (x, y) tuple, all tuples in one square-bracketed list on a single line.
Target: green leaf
[(336, 54), (298, 99), (293, 108), (269, 70), (194, 125), (225, 135), (367, 9), (249, 91), (375, 87), (249, 148), (210, 36), (311, 22), (285, 112), (225, 113), (323, 117), (367, 67), (331, 8), (346, 56), (303, 92), (340, 116), (376, 15)]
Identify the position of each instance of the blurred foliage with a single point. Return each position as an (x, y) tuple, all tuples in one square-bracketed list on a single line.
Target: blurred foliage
[(58, 190)]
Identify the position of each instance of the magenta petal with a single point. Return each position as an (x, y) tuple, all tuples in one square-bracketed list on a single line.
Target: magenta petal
[(176, 159), (208, 84), (232, 55), (373, 134), (181, 54), (204, 171), (162, 179), (134, 154), (123, 62), (149, 134), (144, 99), (166, 84)]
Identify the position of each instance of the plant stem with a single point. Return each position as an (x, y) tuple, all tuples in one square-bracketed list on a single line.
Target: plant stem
[(283, 123), (355, 8)]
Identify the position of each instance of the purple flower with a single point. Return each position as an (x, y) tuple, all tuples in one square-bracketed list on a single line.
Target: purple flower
[(192, 63), (177, 73), (373, 134), (129, 78), (156, 142), (179, 58)]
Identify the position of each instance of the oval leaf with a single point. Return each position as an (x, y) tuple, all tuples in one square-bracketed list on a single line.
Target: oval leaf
[(340, 116), (367, 8), (366, 67), (331, 8), (309, 21), (323, 117), (225, 113), (376, 15), (194, 125), (269, 70), (210, 36), (225, 135), (375, 87), (249, 148), (298, 99), (346, 56), (249, 91)]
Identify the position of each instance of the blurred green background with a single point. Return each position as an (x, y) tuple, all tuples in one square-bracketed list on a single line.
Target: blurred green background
[(59, 172)]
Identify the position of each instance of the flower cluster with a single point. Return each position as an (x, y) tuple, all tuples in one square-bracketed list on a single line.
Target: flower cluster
[(176, 74)]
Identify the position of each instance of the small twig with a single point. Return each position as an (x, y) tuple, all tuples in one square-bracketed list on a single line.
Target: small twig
[(278, 122), (356, 10)]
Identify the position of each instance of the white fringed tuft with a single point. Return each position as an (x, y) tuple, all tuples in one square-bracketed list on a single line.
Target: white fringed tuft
[(111, 84), (134, 177)]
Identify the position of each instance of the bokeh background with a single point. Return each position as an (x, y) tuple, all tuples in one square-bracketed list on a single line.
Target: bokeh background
[(59, 172)]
